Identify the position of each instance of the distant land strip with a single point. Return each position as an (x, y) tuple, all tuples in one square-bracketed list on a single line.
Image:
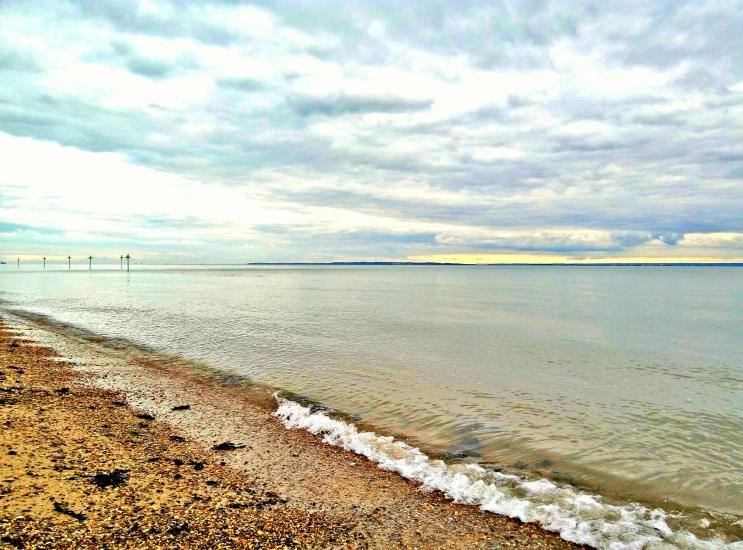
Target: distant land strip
[(597, 264)]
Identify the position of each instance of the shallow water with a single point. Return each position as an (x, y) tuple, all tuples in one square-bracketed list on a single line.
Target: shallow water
[(626, 381)]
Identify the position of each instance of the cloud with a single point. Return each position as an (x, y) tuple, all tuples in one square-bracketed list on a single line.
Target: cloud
[(241, 84), (341, 104), (20, 228), (287, 131)]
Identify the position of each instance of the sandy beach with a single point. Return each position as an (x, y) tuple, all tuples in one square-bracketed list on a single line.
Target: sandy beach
[(117, 450)]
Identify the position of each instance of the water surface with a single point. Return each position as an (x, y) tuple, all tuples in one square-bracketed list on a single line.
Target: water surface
[(624, 380)]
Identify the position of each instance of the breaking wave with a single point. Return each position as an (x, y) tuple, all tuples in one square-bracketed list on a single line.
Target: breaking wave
[(577, 516)]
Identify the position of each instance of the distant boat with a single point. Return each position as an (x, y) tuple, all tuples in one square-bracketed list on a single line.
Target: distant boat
[(3, 263)]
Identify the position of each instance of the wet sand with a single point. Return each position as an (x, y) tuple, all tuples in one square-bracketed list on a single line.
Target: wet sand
[(99, 450)]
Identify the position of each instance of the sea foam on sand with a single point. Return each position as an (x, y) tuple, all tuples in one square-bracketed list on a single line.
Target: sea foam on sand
[(578, 517)]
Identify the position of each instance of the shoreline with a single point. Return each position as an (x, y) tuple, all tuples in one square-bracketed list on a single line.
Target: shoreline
[(341, 498)]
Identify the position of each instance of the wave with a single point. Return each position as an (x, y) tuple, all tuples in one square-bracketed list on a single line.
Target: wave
[(577, 516)]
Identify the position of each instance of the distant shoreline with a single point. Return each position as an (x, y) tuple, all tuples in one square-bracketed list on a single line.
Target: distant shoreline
[(613, 264)]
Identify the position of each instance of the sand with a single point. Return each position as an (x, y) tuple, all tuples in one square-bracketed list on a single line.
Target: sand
[(93, 455)]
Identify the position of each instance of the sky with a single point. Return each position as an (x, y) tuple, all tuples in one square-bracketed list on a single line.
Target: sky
[(226, 131)]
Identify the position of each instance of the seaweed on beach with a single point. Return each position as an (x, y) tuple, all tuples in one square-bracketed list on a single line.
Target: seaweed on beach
[(64, 509), (227, 446), (110, 479)]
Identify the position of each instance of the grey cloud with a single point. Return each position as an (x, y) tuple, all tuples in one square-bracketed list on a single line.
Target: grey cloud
[(491, 34), (15, 60), (241, 84), (342, 104), (516, 101), (151, 68), (735, 174), (630, 239), (172, 222), (71, 122), (566, 243), (380, 237), (705, 36), (176, 20), (658, 119), (724, 100), (123, 54), (9, 227), (274, 229), (6, 227), (669, 238)]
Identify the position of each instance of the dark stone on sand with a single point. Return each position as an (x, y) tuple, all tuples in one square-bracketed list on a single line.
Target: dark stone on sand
[(15, 542), (145, 416), (62, 390), (178, 528), (15, 345), (212, 482), (181, 408), (110, 479), (177, 438), (198, 466), (119, 404), (227, 446), (63, 509), (239, 505), (271, 499), (12, 452), (178, 462), (153, 459)]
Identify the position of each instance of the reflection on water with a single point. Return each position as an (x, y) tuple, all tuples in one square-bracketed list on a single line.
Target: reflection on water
[(628, 380)]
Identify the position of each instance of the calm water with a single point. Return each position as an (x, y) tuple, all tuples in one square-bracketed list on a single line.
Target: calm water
[(627, 381)]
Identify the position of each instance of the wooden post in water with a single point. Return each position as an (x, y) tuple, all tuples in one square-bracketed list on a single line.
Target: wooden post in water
[(44, 262), (127, 262), (19, 262), (69, 262), (90, 259), (122, 261)]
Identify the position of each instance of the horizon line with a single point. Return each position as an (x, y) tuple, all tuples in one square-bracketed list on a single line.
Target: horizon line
[(408, 263)]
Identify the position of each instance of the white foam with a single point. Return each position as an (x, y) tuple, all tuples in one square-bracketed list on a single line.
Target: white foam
[(577, 516)]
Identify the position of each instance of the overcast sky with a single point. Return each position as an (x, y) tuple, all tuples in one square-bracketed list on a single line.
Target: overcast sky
[(313, 131)]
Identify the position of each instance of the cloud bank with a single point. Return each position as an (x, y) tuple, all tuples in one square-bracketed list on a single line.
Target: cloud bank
[(284, 131)]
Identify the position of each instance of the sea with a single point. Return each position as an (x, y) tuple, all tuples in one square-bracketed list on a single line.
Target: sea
[(602, 402)]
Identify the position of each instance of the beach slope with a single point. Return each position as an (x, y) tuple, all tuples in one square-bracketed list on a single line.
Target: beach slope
[(120, 451)]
